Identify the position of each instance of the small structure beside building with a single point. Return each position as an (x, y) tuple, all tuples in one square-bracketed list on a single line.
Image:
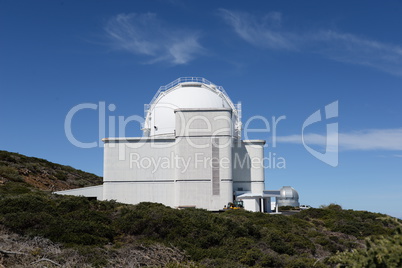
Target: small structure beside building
[(286, 196)]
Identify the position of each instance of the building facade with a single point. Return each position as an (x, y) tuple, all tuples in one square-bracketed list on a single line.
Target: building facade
[(190, 155)]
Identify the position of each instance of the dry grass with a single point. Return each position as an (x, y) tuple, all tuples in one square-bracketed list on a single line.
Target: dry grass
[(19, 251)]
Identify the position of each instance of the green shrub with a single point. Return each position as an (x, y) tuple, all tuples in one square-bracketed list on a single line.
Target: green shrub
[(379, 252), (29, 222), (286, 208), (14, 188), (26, 203), (62, 219), (10, 173), (333, 206), (251, 256), (272, 260), (303, 263), (230, 239), (61, 175), (69, 204), (274, 239)]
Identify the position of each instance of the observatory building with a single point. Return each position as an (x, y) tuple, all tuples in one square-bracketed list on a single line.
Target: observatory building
[(190, 155)]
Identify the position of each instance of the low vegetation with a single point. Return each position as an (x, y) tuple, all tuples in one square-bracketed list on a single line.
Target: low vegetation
[(42, 174), (38, 228), (320, 237)]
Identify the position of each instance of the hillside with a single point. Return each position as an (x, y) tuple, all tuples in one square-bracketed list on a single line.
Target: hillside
[(42, 174), (39, 229)]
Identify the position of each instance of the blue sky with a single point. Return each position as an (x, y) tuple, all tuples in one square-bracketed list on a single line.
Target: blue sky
[(279, 58)]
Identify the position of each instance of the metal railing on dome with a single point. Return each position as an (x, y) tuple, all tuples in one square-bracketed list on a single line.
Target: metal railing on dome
[(236, 107), (186, 80)]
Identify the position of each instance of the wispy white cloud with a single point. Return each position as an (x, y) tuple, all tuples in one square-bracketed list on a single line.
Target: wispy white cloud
[(145, 34), (364, 140), (268, 32), (353, 49), (262, 32)]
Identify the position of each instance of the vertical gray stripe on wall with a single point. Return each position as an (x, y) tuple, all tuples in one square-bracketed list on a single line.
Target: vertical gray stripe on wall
[(215, 167)]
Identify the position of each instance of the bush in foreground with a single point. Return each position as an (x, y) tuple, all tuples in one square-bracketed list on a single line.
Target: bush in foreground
[(231, 239)]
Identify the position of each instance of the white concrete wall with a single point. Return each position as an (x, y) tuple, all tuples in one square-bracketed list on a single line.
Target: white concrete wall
[(195, 168), (204, 122), (248, 169), (252, 204), (138, 160), (137, 192), (198, 194), (207, 180), (255, 150), (196, 155), (138, 170), (175, 172)]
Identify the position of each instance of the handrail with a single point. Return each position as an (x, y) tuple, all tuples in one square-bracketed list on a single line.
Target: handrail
[(235, 107), (184, 80)]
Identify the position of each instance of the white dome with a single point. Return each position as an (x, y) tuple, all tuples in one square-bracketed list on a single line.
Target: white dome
[(181, 93), (289, 197)]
